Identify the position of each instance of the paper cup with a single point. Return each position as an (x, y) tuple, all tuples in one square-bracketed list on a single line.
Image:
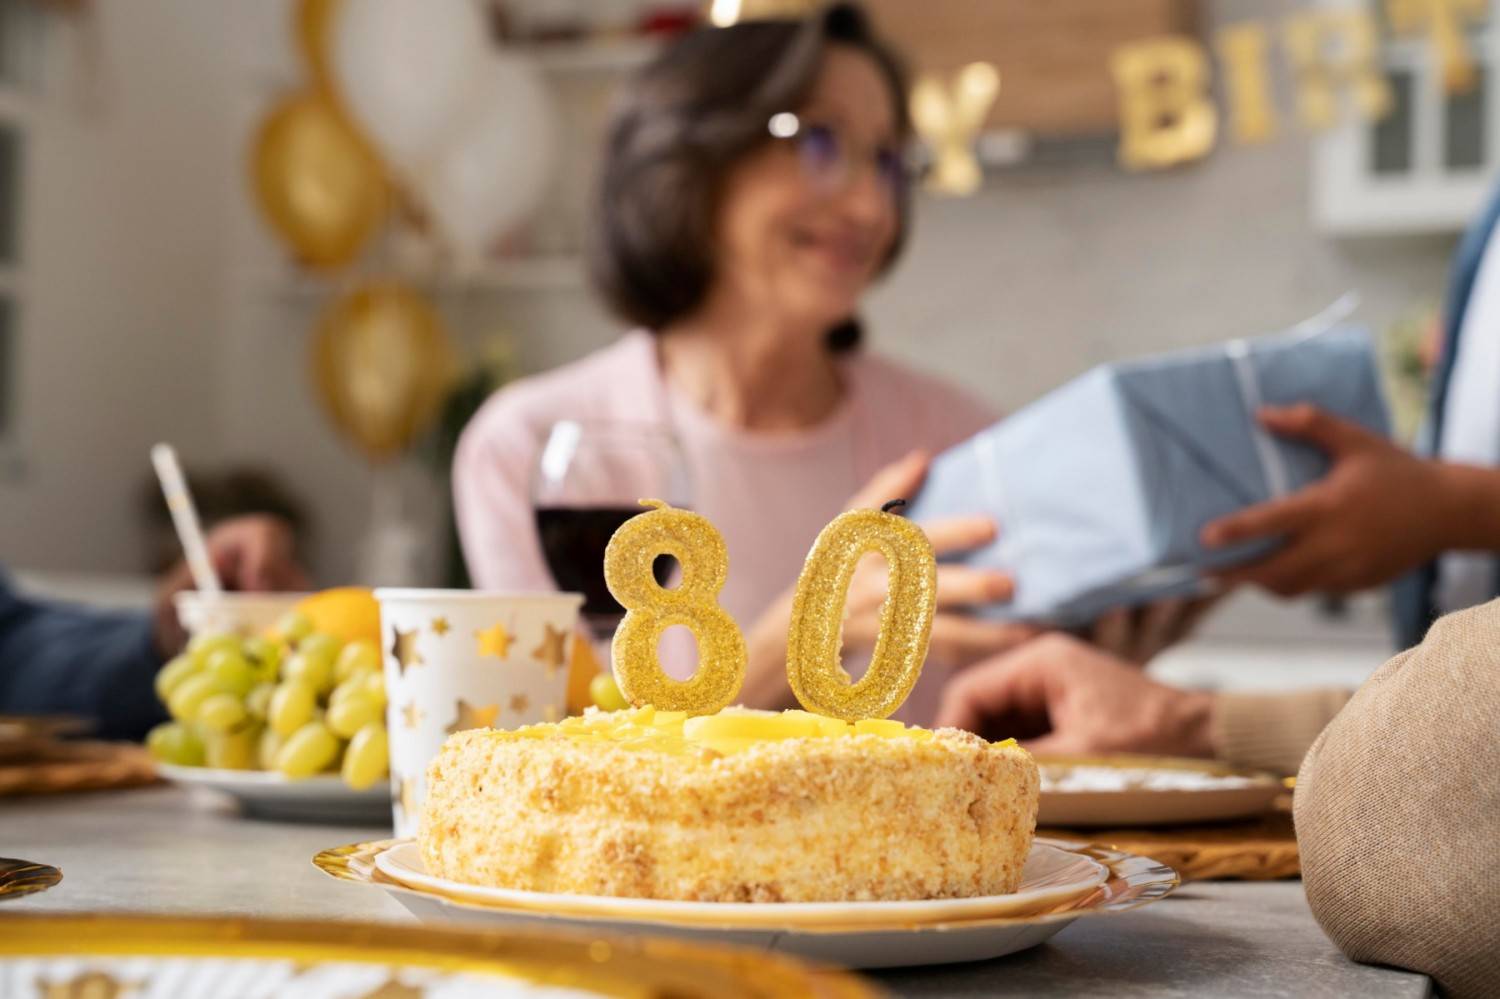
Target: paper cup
[(458, 659), (243, 614)]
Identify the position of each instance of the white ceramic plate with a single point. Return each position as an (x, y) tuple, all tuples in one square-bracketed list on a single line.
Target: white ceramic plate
[(267, 795), (1146, 795), (1130, 881), (1051, 876)]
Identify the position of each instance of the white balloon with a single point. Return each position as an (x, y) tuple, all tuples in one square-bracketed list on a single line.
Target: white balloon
[(404, 68), (494, 169)]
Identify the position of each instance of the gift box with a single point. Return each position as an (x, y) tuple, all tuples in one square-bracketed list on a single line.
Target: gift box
[(1101, 487)]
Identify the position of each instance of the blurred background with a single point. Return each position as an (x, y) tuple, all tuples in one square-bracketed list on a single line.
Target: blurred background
[(187, 199)]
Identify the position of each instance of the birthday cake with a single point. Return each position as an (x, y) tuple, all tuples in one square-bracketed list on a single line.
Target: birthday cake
[(686, 798), (739, 806)]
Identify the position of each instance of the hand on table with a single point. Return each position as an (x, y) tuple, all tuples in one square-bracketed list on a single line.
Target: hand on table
[(251, 553), (1366, 522), (1058, 694), (957, 637)]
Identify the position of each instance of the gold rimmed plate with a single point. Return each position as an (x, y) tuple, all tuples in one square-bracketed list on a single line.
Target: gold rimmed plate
[(23, 877), (115, 956), (851, 934), (1125, 790)]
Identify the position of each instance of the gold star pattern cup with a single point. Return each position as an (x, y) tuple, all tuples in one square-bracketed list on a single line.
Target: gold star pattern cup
[(462, 659)]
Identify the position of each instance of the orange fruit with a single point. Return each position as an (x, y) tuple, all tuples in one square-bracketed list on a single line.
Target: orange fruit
[(347, 613)]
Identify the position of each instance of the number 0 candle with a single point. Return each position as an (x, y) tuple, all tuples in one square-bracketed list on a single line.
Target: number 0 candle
[(813, 667), (651, 608)]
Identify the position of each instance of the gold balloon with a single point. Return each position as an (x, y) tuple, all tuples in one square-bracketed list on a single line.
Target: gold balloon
[(314, 36), (317, 182), (1447, 23), (1166, 117), (949, 119), (1320, 73), (1247, 85), (382, 363)]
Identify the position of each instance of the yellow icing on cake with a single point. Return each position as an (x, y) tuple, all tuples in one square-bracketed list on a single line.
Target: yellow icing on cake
[(730, 731)]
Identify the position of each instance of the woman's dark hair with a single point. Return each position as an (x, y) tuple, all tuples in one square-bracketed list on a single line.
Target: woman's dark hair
[(681, 124)]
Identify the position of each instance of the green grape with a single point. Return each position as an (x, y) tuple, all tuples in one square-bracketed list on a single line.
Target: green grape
[(606, 693), (267, 746), (353, 713), (265, 658), (350, 687), (234, 749), (173, 673), (189, 695), (374, 687), (322, 644), (368, 757), (307, 751), (294, 626), (203, 646), (220, 713), (231, 670), (291, 706), (173, 742), (258, 701), (312, 668), (359, 656)]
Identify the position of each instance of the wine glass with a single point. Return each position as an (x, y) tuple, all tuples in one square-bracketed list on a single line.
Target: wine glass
[(588, 480)]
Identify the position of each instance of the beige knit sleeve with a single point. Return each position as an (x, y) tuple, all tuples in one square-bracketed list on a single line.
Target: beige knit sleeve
[(1271, 731), (1398, 811)]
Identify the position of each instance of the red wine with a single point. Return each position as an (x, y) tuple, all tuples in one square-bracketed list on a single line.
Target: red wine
[(573, 541)]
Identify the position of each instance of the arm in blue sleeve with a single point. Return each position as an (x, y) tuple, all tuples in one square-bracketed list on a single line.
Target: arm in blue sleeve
[(56, 659)]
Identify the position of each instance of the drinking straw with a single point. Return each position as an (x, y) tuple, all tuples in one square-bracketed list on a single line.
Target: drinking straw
[(185, 519)]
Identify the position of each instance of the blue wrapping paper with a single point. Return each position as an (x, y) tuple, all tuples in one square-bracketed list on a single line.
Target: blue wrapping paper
[(1101, 487)]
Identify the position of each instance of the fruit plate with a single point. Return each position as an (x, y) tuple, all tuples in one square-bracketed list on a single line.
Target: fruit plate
[(1075, 879), (268, 795), (1127, 790)]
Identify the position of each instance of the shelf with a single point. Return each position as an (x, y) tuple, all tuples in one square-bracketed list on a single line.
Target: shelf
[(520, 274)]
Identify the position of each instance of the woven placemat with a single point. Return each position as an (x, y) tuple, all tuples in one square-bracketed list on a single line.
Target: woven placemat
[(1257, 850), (77, 766)]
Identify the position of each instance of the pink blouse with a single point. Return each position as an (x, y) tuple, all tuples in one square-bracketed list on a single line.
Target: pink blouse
[(768, 493)]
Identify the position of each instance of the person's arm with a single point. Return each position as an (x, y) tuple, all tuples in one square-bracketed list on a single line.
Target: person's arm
[(64, 660), (1398, 811), (1379, 512), (1061, 695)]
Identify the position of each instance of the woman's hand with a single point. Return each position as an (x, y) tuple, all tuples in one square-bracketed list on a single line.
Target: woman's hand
[(1060, 695), (957, 637), (1375, 514)]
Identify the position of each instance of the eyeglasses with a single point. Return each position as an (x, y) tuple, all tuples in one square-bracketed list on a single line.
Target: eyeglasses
[(831, 160)]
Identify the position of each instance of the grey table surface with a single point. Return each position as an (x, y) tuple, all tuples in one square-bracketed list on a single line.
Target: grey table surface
[(163, 850)]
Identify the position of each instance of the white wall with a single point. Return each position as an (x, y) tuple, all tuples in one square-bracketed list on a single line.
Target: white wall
[(127, 182)]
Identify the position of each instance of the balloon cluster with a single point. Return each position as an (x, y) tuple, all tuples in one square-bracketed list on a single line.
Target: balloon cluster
[(404, 101)]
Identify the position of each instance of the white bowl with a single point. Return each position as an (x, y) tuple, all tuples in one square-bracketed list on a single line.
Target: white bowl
[(238, 613)]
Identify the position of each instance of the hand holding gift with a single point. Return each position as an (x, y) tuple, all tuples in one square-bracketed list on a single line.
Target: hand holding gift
[(1375, 515)]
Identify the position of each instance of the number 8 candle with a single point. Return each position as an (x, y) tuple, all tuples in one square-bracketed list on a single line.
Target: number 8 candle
[(813, 667), (652, 608)]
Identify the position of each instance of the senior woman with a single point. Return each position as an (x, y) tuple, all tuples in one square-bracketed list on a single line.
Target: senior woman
[(753, 189)]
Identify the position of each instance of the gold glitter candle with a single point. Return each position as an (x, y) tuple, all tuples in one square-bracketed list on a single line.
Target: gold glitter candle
[(813, 667), (652, 609)]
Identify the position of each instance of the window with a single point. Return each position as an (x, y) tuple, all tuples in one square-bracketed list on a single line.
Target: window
[(1428, 166)]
